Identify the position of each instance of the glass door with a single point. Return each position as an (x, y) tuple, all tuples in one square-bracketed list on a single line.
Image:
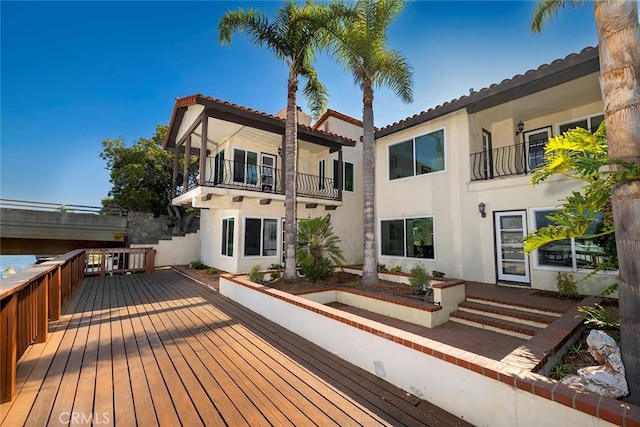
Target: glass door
[(536, 141), (513, 264), (267, 172)]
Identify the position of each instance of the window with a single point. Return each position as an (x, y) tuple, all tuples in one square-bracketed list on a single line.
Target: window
[(260, 237), (321, 174), (410, 237), (569, 253), (227, 236), (245, 166), (347, 171), (590, 123), (421, 155)]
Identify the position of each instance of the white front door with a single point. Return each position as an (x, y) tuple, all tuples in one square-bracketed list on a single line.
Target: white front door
[(513, 264)]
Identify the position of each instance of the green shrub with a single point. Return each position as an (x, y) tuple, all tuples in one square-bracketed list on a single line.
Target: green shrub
[(598, 317), (317, 247), (382, 267), (567, 285), (212, 271), (396, 269), (436, 273), (275, 275), (198, 265), (255, 275), (419, 280)]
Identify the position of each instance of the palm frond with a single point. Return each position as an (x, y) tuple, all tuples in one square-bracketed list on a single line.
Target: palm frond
[(547, 9), (395, 72), (315, 92)]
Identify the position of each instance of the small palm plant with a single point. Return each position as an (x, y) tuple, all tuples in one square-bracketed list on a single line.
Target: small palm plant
[(317, 247)]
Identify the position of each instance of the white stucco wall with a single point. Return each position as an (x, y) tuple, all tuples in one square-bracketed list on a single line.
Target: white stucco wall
[(180, 250)]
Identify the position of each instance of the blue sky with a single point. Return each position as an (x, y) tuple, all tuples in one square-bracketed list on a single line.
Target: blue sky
[(76, 73)]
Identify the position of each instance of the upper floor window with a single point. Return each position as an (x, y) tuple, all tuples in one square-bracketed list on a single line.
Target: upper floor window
[(421, 155), (590, 124), (347, 173)]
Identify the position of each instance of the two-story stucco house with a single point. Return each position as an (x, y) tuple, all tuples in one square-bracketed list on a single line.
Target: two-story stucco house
[(234, 176), (436, 172)]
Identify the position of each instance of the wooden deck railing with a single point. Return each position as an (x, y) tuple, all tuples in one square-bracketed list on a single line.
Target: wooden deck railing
[(30, 299), (119, 261)]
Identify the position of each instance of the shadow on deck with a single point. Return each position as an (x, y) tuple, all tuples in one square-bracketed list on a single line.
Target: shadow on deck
[(159, 349)]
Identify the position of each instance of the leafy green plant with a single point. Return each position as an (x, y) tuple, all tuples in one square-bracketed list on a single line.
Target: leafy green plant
[(317, 247), (212, 271), (352, 284), (396, 269), (598, 317), (382, 267), (198, 265), (255, 274), (567, 285), (275, 275), (560, 370), (577, 350), (436, 273), (419, 280)]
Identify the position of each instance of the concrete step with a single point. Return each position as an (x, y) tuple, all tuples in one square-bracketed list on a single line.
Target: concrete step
[(513, 314), (514, 329), (514, 305)]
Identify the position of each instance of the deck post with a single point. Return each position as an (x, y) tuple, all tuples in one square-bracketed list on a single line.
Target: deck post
[(103, 262), (8, 347), (42, 308), (150, 255), (55, 293), (203, 151)]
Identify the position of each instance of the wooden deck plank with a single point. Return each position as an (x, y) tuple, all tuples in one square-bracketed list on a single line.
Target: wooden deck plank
[(340, 411), (136, 341), (257, 394), (133, 404), (162, 350), (33, 368)]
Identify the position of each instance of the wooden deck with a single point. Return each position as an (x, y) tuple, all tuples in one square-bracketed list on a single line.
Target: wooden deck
[(159, 349)]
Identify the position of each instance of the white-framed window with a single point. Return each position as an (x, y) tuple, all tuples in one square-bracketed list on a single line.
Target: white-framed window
[(228, 228), (408, 237), (590, 123), (568, 254), (418, 156), (260, 237), (245, 166), (348, 176)]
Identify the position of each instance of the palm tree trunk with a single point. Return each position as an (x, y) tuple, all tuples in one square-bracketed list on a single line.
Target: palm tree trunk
[(290, 150), (619, 49), (370, 267)]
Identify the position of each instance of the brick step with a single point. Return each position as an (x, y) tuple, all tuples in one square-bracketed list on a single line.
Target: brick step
[(497, 325), (516, 306), (511, 314)]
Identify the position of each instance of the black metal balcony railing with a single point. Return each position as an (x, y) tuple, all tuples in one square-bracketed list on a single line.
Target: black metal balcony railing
[(252, 177), (518, 159)]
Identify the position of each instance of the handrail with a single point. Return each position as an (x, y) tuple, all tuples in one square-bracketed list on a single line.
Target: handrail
[(119, 261), (28, 301), (61, 207), (228, 173), (517, 159)]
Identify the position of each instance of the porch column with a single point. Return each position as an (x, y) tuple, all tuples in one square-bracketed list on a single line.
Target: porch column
[(176, 164), (340, 174), (203, 151), (187, 163)]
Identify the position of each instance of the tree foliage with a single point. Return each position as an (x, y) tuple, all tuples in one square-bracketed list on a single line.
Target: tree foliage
[(317, 247), (141, 175), (582, 155)]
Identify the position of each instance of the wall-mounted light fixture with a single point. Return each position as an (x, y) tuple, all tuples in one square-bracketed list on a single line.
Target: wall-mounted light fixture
[(520, 127), (280, 151), (481, 209)]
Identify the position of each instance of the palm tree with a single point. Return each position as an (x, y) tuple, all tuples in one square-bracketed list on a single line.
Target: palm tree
[(619, 50), (293, 36), (361, 47)]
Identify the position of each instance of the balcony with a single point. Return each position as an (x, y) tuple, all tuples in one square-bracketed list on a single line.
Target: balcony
[(518, 159), (252, 177)]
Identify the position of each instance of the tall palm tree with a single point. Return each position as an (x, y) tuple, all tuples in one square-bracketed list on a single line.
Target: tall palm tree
[(361, 47), (293, 36), (619, 50)]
